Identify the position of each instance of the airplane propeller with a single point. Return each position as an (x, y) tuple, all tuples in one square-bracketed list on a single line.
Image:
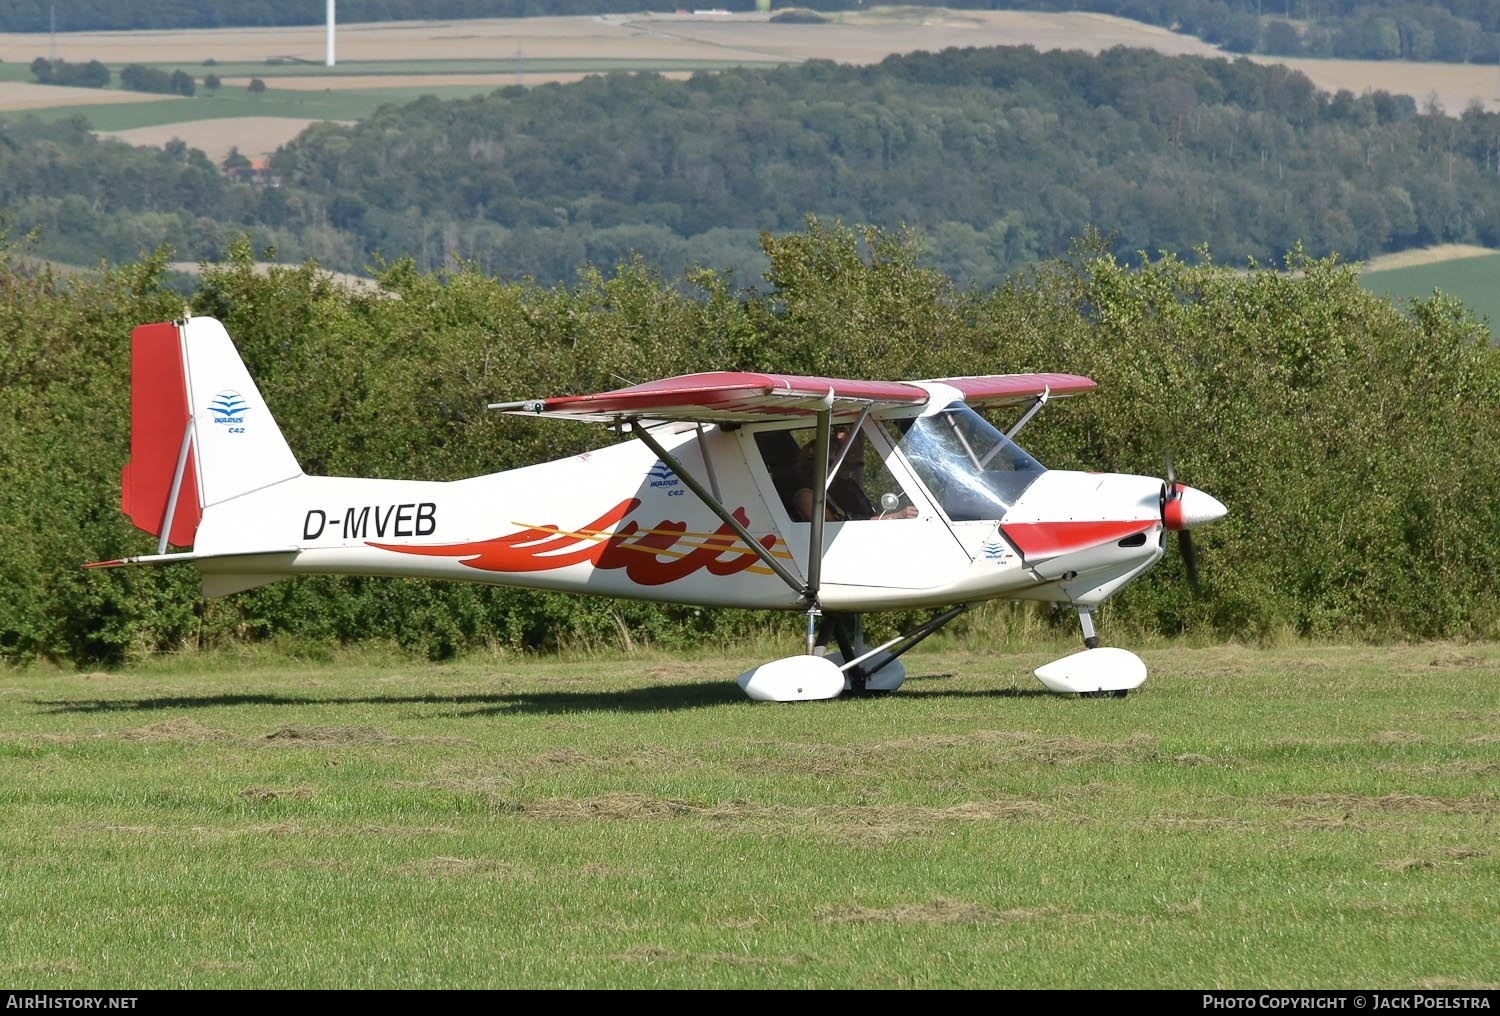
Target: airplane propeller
[(1183, 508)]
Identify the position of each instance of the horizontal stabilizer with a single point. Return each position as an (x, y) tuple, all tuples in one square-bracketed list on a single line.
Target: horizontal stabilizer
[(222, 573)]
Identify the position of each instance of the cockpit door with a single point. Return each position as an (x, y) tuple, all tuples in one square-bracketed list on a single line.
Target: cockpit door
[(905, 545)]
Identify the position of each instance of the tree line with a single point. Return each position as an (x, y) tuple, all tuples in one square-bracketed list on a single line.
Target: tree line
[(92, 74), (999, 156), (135, 77), (1355, 443), (1446, 30), (1459, 31)]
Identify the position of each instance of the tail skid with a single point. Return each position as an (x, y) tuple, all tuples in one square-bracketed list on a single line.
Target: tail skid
[(200, 433)]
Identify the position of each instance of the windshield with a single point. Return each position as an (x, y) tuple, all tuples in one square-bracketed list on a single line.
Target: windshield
[(973, 470)]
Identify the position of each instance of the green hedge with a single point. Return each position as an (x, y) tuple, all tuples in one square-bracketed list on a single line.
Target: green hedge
[(1356, 444)]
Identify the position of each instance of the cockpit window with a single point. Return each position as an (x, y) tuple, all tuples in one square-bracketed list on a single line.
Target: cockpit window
[(973, 470), (862, 488)]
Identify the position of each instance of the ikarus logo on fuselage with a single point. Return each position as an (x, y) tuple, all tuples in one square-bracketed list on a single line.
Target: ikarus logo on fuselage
[(661, 476)]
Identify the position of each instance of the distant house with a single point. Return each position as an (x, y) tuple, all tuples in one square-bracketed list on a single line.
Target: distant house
[(244, 170)]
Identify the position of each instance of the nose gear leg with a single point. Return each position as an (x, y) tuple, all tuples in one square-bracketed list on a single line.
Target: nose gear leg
[(1086, 619)]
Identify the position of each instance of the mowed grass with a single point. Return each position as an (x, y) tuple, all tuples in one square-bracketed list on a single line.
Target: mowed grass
[(1475, 281), (1309, 817)]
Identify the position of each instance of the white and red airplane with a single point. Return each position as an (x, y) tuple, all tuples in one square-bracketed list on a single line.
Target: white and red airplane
[(826, 496)]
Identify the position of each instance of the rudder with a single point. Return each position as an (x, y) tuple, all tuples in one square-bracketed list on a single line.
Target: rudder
[(200, 433)]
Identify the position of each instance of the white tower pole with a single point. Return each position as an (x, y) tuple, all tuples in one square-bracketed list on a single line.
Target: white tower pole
[(328, 58)]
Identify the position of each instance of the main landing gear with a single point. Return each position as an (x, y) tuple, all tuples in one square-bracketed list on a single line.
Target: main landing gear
[(875, 671), (852, 668), (1096, 672)]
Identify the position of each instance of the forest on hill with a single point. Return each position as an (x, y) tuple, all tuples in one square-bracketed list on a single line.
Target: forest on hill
[(1356, 444), (997, 156), (1447, 30)]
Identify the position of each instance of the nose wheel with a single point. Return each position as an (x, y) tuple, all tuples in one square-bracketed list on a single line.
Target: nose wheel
[(1091, 641), (1097, 671)]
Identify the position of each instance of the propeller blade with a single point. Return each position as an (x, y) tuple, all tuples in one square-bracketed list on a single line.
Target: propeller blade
[(1182, 507), (1189, 560)]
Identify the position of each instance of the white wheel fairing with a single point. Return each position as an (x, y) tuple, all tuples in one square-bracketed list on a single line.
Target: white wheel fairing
[(1104, 669), (793, 679)]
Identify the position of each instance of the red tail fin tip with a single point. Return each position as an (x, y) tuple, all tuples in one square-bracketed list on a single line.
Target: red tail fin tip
[(159, 418)]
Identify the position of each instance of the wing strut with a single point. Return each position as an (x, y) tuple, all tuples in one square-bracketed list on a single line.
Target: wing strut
[(853, 430), (808, 592), (819, 512), (1036, 404)]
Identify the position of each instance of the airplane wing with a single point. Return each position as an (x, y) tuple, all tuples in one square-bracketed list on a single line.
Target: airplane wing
[(1014, 389), (725, 397), (737, 396)]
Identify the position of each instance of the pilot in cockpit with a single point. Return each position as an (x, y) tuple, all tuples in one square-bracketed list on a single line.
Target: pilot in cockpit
[(846, 499)]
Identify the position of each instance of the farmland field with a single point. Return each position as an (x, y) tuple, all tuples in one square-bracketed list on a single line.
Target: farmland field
[(1308, 816), (402, 60), (1471, 274)]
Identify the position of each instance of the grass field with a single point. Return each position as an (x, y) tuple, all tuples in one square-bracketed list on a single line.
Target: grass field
[(328, 97), (301, 105), (1474, 280), (1306, 816)]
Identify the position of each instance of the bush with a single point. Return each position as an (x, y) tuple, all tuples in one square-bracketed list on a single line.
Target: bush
[(78, 75), (1355, 444), (797, 16), (139, 78)]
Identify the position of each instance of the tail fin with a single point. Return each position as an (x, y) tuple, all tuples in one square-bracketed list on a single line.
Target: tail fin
[(199, 431)]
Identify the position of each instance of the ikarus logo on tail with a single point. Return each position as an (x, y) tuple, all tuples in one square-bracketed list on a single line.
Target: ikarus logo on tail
[(228, 408)]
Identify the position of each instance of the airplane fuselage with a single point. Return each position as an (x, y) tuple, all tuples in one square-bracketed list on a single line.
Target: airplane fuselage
[(620, 522)]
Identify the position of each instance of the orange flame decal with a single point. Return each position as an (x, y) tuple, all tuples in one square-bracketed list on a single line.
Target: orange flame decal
[(538, 548), (648, 569), (650, 557)]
